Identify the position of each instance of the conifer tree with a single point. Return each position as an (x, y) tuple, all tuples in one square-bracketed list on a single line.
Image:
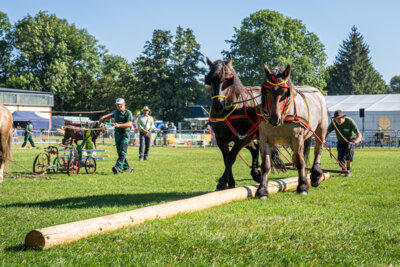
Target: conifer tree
[(353, 72)]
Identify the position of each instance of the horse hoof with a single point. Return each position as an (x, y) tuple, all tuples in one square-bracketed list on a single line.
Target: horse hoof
[(263, 198), (316, 184), (303, 193)]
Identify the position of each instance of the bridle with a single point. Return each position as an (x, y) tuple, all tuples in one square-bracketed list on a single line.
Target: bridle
[(228, 76), (275, 84)]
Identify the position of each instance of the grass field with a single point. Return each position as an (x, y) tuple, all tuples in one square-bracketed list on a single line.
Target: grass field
[(345, 221)]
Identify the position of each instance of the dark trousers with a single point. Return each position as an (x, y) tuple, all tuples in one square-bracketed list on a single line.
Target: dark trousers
[(121, 142), (28, 137), (144, 145), (345, 151)]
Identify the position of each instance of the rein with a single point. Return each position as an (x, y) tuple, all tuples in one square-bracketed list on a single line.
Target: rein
[(230, 117)]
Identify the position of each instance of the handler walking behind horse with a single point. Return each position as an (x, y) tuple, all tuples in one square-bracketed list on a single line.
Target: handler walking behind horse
[(28, 134), (122, 125), (348, 136)]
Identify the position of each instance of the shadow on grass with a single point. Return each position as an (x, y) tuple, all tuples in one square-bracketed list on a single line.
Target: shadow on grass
[(109, 200), (17, 248)]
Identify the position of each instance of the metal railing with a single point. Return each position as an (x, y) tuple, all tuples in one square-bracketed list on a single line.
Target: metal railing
[(390, 138)]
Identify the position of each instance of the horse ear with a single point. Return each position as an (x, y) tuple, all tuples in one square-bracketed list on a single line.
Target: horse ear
[(267, 71), (209, 62), (286, 72), (229, 61)]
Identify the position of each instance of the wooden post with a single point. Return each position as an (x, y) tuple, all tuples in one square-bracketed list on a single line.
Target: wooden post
[(69, 232)]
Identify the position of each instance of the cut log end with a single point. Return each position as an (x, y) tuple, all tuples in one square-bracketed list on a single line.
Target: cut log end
[(35, 240)]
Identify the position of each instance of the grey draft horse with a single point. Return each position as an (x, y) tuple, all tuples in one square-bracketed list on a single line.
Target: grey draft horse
[(292, 114)]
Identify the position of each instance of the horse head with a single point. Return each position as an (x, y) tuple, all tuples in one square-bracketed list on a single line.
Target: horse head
[(220, 78), (276, 91)]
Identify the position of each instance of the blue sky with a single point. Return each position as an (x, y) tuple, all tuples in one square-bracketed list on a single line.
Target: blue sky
[(124, 26)]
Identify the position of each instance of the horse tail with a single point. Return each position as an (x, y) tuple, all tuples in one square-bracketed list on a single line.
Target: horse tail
[(307, 145), (276, 162)]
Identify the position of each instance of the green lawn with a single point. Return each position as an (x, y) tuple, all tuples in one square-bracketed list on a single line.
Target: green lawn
[(345, 221)]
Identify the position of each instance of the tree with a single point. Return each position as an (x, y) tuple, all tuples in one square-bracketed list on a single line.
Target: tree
[(267, 37), (167, 74), (53, 56), (353, 72), (5, 48), (115, 81), (395, 85)]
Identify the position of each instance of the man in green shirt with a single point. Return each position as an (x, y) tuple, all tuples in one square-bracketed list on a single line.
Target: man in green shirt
[(28, 134), (145, 124), (122, 125), (348, 136)]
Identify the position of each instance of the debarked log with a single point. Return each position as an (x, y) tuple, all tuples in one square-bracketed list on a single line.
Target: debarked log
[(65, 233)]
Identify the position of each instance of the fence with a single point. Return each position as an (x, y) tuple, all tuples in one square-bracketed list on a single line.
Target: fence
[(201, 138)]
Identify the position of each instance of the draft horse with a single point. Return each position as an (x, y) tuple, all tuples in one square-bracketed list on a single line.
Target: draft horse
[(291, 115), (6, 121), (234, 119), (74, 132)]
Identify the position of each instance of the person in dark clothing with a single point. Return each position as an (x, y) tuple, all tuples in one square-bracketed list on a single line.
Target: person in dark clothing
[(122, 125), (28, 134), (348, 136), (379, 136)]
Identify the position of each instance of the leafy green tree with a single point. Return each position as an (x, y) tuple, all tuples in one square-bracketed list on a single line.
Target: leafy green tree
[(54, 56), (152, 71), (267, 37), (353, 72), (5, 48), (395, 85), (167, 74), (115, 81)]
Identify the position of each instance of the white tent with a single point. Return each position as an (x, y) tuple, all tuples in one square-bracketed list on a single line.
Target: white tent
[(381, 111)]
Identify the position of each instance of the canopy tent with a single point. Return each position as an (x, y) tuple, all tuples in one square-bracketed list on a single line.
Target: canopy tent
[(22, 117), (381, 111)]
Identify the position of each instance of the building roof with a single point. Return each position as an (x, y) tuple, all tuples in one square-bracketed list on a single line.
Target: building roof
[(353, 103), (12, 90)]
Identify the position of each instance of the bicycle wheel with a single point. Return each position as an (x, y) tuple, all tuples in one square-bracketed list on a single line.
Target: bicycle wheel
[(41, 163), (90, 165), (73, 166), (56, 165)]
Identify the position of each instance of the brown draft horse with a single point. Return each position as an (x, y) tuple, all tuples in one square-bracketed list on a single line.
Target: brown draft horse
[(6, 121), (292, 114), (77, 133), (234, 119)]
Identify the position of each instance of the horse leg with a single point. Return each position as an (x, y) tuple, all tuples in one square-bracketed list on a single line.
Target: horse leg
[(262, 191), (3, 154), (223, 180), (298, 148), (230, 160), (255, 172), (316, 172)]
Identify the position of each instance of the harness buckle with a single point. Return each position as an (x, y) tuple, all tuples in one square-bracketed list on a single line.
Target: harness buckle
[(241, 137)]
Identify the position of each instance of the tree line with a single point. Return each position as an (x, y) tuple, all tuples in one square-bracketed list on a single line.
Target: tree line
[(46, 53)]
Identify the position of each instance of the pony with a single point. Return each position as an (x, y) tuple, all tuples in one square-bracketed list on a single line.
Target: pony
[(6, 122), (291, 115), (74, 132), (234, 119)]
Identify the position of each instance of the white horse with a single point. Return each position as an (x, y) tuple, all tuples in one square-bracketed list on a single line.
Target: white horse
[(6, 121), (291, 115)]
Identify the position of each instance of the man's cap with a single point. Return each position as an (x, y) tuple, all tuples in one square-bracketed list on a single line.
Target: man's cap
[(119, 101), (338, 114), (29, 121), (145, 108)]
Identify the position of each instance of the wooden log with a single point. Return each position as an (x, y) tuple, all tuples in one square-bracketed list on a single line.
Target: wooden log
[(65, 233)]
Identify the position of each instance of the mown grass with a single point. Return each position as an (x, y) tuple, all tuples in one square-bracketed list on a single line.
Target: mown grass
[(345, 221)]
